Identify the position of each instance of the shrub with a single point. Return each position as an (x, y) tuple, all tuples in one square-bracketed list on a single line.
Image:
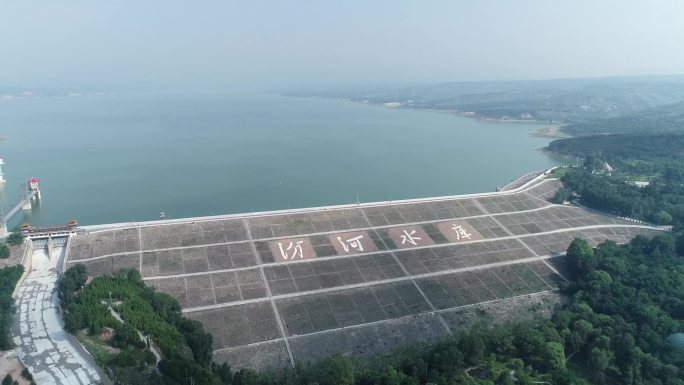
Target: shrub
[(26, 374), (124, 359), (16, 238)]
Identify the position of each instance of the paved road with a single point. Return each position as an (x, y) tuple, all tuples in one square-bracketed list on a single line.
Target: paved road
[(42, 344), (520, 181)]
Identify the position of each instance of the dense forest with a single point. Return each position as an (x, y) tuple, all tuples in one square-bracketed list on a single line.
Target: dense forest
[(625, 300), (623, 150), (661, 202), (656, 158), (184, 345), (660, 119), (8, 279)]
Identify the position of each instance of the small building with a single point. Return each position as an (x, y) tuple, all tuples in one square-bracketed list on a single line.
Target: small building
[(33, 183), (607, 168), (638, 183)]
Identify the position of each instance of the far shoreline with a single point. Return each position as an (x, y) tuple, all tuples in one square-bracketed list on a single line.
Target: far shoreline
[(552, 130)]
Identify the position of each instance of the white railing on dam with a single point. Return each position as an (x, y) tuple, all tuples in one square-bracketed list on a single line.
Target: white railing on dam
[(112, 226)]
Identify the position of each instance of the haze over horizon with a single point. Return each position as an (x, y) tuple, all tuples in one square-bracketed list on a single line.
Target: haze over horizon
[(267, 45)]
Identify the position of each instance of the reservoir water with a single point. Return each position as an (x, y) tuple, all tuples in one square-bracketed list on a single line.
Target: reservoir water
[(127, 157)]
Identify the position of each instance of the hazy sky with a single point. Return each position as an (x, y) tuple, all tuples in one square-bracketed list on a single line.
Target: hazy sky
[(270, 44)]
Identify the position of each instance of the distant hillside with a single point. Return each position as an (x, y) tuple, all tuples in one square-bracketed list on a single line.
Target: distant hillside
[(624, 146), (667, 118), (577, 102)]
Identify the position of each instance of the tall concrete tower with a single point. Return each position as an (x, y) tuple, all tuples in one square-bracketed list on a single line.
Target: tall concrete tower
[(33, 187)]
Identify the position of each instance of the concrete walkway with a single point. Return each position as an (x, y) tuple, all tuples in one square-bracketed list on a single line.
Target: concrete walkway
[(46, 349)]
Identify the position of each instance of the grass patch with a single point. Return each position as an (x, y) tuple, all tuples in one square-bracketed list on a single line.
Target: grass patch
[(101, 352), (559, 172)]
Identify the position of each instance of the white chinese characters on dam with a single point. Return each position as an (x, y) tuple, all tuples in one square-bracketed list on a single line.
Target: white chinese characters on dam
[(409, 236), (458, 231), (352, 243), (286, 250)]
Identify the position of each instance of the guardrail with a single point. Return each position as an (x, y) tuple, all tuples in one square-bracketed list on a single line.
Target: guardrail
[(112, 226), (606, 213), (26, 262)]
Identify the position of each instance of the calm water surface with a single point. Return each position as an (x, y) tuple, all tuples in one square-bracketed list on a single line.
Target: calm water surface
[(118, 158)]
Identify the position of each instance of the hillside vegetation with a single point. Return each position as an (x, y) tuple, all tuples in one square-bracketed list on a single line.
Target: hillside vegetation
[(662, 119), (8, 280), (185, 346), (655, 158), (623, 149)]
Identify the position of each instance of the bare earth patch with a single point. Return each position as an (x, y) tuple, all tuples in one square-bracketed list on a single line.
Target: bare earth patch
[(10, 364)]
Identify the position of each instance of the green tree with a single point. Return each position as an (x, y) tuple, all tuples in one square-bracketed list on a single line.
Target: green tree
[(4, 251), (26, 374), (662, 217), (554, 355), (15, 238), (592, 163), (580, 257), (599, 360), (563, 194), (338, 370)]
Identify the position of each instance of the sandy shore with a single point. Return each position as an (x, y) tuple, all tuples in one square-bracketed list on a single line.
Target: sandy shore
[(551, 132)]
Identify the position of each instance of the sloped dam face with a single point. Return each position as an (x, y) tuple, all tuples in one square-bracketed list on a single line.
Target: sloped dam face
[(289, 286)]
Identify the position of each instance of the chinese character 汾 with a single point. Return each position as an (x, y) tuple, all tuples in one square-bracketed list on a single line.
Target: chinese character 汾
[(296, 250)]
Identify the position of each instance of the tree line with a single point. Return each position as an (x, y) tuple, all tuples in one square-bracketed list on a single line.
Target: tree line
[(8, 280)]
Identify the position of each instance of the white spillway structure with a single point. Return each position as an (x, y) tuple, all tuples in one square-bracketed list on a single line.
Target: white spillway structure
[(44, 347)]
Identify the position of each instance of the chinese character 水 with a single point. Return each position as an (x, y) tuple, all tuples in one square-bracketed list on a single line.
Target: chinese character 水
[(409, 237)]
